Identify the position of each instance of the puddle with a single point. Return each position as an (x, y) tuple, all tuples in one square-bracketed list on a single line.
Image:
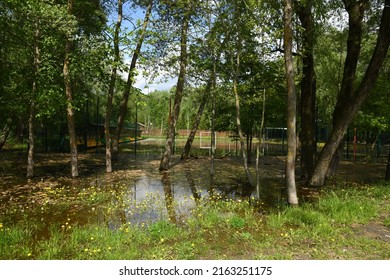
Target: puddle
[(136, 192)]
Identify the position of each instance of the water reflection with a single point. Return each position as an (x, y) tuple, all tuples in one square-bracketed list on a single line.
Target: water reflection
[(151, 195), (191, 182), (169, 197), (154, 197), (172, 195)]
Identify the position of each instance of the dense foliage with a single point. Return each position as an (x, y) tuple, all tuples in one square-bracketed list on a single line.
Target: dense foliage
[(33, 36)]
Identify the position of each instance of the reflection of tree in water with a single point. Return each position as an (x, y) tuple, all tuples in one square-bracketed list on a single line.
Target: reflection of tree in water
[(191, 183), (168, 196)]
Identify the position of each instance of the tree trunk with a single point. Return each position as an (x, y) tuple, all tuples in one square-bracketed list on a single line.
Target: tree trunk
[(308, 90), (31, 119), (238, 121), (213, 105), (186, 151), (236, 64), (356, 12), (347, 105), (335, 161), (387, 176), (130, 80), (164, 164), (69, 99), (111, 89), (31, 140), (291, 106), (258, 147), (249, 138), (5, 133), (213, 140)]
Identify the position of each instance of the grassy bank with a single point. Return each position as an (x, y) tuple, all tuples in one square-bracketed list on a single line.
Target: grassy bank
[(345, 222)]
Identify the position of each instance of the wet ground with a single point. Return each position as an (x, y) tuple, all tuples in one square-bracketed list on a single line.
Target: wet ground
[(137, 192)]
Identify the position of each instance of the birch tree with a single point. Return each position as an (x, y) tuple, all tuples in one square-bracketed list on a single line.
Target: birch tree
[(112, 88), (291, 105), (187, 7), (130, 80), (69, 98)]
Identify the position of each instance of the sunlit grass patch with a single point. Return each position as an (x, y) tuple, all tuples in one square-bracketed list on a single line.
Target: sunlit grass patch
[(90, 242), (348, 207), (324, 230), (162, 231), (15, 242), (54, 247), (186, 250), (342, 206)]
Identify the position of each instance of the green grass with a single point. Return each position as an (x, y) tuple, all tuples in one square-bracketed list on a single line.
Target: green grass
[(14, 242), (331, 228)]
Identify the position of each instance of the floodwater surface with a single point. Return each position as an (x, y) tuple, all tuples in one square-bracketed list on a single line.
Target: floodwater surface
[(136, 192)]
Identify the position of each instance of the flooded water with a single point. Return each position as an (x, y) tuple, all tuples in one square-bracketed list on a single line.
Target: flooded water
[(136, 192)]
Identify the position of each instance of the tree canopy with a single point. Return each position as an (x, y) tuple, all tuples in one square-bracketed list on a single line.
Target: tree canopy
[(56, 62)]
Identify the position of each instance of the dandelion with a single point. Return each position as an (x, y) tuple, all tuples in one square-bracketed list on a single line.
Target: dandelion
[(29, 255), (1, 225), (162, 240)]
